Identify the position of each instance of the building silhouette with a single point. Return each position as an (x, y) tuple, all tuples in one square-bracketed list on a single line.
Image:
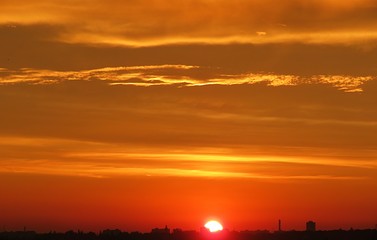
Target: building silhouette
[(279, 225), (310, 226), (165, 230)]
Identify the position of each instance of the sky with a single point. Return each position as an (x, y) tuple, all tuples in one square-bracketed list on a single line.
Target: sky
[(144, 113)]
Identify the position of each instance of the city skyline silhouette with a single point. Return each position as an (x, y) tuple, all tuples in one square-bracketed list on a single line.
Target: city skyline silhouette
[(178, 234)]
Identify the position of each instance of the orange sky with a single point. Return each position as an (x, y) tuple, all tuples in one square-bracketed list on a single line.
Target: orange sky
[(140, 114)]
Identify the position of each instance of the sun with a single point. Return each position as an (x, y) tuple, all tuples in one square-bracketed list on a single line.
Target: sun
[(213, 226)]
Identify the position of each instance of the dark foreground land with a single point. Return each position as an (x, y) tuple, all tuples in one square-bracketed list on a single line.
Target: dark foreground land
[(165, 234)]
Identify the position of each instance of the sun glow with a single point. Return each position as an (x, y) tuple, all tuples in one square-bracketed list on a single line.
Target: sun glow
[(213, 226)]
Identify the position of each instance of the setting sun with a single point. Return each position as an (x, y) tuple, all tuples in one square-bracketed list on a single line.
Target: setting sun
[(213, 226)]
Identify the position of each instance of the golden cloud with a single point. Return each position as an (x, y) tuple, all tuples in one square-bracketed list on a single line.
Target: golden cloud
[(156, 75), (143, 23)]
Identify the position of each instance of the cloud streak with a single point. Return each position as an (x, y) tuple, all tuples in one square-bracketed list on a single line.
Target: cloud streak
[(183, 75), (146, 23), (33, 47), (200, 163)]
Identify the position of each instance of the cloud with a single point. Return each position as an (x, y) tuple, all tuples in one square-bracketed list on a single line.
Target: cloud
[(300, 91), (146, 23), (33, 47), (182, 75), (244, 120), (79, 158)]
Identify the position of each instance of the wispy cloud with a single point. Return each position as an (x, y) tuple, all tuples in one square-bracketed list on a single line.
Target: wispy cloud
[(101, 169), (145, 23), (81, 158), (151, 75)]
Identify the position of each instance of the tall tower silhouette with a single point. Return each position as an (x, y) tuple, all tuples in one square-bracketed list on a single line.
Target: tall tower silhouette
[(310, 226), (279, 225)]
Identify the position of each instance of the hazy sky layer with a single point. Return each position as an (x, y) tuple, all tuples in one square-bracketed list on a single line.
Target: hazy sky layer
[(133, 115)]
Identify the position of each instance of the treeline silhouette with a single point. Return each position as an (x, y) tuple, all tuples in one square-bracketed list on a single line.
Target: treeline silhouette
[(177, 234)]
